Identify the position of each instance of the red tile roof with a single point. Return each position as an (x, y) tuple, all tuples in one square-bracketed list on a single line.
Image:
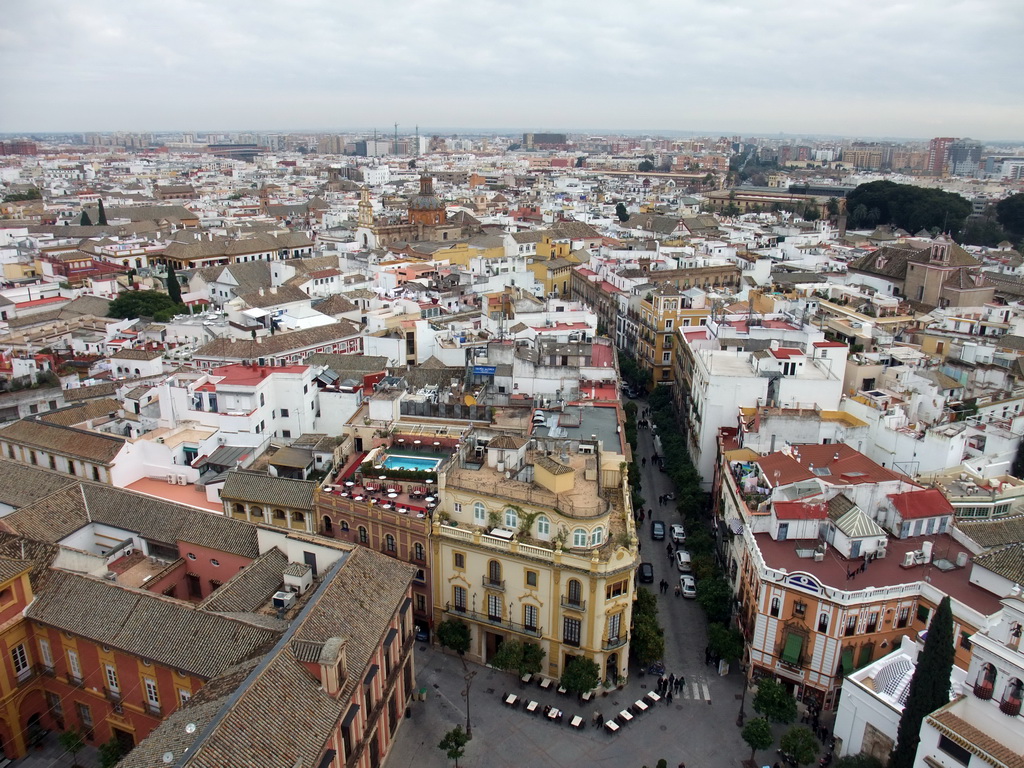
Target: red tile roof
[(800, 510), (845, 466), (784, 353), (917, 504), (829, 344)]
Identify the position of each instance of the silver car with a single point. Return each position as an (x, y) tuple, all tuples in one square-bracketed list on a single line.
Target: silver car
[(688, 585)]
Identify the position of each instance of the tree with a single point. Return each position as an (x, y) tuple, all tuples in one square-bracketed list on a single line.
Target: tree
[(580, 675), (621, 212), (758, 735), (647, 641), (910, 207), (20, 197), (715, 597), (173, 286), (111, 753), (521, 658), (929, 687), (646, 166), (859, 761), (73, 742), (101, 217), (773, 701), (832, 206), (454, 744), (811, 213), (1018, 460), (1010, 212), (800, 744), (153, 304), (725, 642), (85, 221), (454, 635)]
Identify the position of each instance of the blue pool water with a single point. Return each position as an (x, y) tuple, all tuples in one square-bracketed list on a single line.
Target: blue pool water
[(394, 461)]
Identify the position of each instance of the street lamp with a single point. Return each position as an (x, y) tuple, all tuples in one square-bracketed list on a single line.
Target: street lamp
[(465, 693), (743, 698)]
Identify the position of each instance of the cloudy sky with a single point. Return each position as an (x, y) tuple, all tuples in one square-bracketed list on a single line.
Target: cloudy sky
[(906, 68)]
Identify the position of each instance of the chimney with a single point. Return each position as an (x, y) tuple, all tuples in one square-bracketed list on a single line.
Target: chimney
[(333, 666), (273, 289), (261, 290)]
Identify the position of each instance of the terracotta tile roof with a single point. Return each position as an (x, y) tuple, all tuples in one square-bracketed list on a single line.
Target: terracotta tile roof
[(994, 533), (137, 354), (1007, 562), (928, 502), (285, 294), (850, 468), (552, 466), (105, 389), (967, 735), (799, 510), (11, 568), (79, 413), (40, 554), (21, 485), (251, 587), (258, 488), (81, 444), (166, 631), (508, 441), (281, 343), (334, 305)]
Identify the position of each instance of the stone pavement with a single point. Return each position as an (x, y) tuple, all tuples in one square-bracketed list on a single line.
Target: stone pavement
[(692, 729)]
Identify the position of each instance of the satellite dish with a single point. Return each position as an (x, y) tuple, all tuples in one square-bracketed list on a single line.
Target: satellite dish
[(508, 475), (168, 757), (190, 728)]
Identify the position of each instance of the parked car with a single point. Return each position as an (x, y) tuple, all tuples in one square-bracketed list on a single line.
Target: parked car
[(678, 533), (658, 530), (688, 585), (646, 573), (683, 563), (661, 465)]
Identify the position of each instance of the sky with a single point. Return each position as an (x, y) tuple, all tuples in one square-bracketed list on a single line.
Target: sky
[(866, 68)]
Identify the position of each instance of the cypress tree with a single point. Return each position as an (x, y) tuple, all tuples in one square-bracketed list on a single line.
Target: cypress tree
[(173, 287), (102, 216), (929, 687), (85, 221)]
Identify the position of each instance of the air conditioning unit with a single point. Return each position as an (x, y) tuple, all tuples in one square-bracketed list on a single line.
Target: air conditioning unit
[(160, 440), (284, 600), (172, 479), (182, 479), (909, 559), (128, 551)]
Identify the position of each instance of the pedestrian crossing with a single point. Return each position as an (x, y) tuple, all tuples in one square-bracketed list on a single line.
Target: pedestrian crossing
[(696, 690)]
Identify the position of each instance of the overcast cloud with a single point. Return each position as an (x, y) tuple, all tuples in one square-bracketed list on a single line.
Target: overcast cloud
[(860, 68)]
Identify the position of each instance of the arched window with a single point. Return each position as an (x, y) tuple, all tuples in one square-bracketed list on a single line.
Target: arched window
[(236, 509), (279, 515), (543, 527), (494, 572), (256, 513), (479, 513), (823, 623), (579, 537), (1010, 705), (511, 518), (597, 537), (419, 551), (389, 543), (343, 525), (328, 525), (363, 535), (775, 606), (986, 682), (298, 517), (575, 595)]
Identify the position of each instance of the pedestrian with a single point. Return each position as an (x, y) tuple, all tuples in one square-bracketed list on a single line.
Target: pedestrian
[(650, 513), (681, 681), (668, 697), (672, 680), (679, 591), (707, 655), (668, 548), (643, 462)]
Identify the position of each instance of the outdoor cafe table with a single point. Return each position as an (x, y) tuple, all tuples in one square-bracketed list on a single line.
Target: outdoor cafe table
[(511, 700), (611, 725), (527, 677), (654, 698), (625, 716), (640, 705), (545, 683), (554, 713), (588, 695), (576, 722), (532, 707)]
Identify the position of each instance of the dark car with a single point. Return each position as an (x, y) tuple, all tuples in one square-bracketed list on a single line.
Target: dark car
[(646, 573), (658, 530)]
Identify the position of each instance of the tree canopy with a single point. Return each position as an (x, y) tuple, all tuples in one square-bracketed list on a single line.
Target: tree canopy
[(101, 216), (19, 197), (173, 286), (929, 687), (454, 744), (621, 212), (647, 642), (454, 635), (758, 735), (85, 221), (521, 658), (1010, 212), (715, 597), (800, 744), (907, 206), (774, 702), (131, 304), (645, 166), (581, 675)]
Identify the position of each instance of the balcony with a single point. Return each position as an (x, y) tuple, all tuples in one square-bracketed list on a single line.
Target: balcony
[(114, 697), (1010, 706), (75, 680), (152, 709), (46, 669), (573, 603), (983, 691), (494, 621), (498, 585), (614, 642)]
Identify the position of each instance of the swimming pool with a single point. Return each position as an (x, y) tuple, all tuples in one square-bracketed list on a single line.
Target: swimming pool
[(397, 461)]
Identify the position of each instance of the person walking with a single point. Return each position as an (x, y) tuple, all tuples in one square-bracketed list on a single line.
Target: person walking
[(668, 697), (672, 680), (650, 513), (643, 462)]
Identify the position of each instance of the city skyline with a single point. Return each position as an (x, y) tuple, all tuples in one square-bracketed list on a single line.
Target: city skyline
[(871, 69)]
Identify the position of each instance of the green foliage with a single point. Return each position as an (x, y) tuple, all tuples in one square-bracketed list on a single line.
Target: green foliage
[(111, 753), (85, 221), (715, 597), (773, 702), (983, 232), (580, 675), (832, 206), (1010, 212), (647, 641), (758, 735), (645, 166), (173, 286), (454, 744), (73, 742), (153, 304), (101, 216), (800, 743), (929, 687), (454, 635), (811, 213), (21, 197), (621, 212), (631, 371), (907, 206), (725, 642), (1018, 461), (859, 761), (521, 658)]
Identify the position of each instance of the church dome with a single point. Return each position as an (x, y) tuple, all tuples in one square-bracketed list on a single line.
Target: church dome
[(426, 200)]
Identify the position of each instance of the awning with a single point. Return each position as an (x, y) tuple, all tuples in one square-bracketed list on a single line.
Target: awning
[(791, 652), (255, 313), (350, 716), (370, 675), (846, 664)]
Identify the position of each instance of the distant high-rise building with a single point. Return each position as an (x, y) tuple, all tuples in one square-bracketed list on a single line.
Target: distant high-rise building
[(373, 148), (938, 156), (965, 157), (544, 140), (18, 147)]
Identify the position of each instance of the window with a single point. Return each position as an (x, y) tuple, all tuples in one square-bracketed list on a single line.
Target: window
[(286, 433), (614, 625), (531, 578), (457, 507), (543, 526), (923, 613), (479, 513), (389, 543), (954, 750), (421, 603), (20, 659), (965, 640), (263, 400), (579, 537), (494, 607), (74, 668), (152, 694), (799, 608), (418, 552), (774, 610), (214, 562), (459, 559), (85, 718), (184, 696), (530, 617), (459, 598), (511, 518), (903, 617), (421, 575), (364, 536), (191, 556), (571, 631), (112, 684), (494, 572), (597, 537), (284, 413), (575, 595), (343, 524), (44, 652), (851, 626), (614, 590), (873, 621), (823, 623)]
